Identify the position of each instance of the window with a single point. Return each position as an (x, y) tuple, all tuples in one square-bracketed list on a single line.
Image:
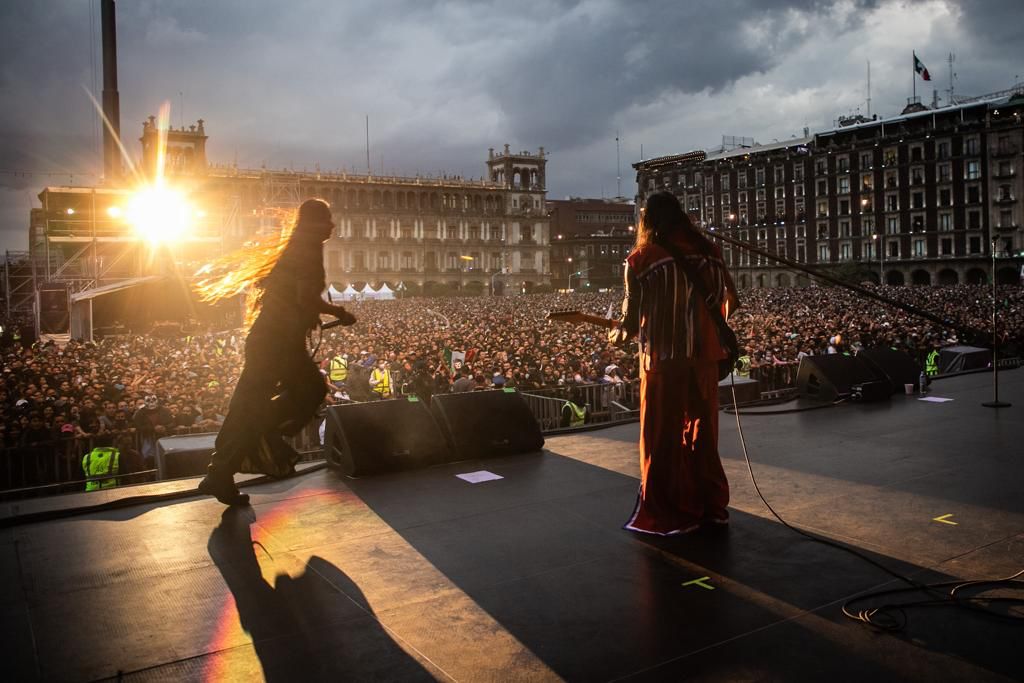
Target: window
[(709, 184), (892, 180), (844, 207), (889, 157), (780, 248), (918, 248), (865, 160), (945, 173), (822, 187), (917, 222), (973, 170), (780, 209), (892, 225), (798, 206), (942, 149), (867, 182), (798, 173), (798, 190), (917, 176), (823, 253), (945, 222), (822, 209), (845, 251), (1005, 219), (383, 260), (801, 231), (974, 220), (894, 249), (973, 194), (916, 152), (821, 167), (762, 194), (759, 176), (725, 182), (822, 231), (844, 228), (946, 246), (741, 197), (762, 235), (741, 179), (867, 205), (780, 232), (844, 184), (917, 200), (780, 175), (780, 192), (868, 249), (867, 225), (842, 164), (892, 202), (971, 145), (945, 197), (725, 199), (975, 245), (801, 252)]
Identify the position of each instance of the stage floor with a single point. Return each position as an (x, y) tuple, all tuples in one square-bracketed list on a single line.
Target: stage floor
[(422, 575)]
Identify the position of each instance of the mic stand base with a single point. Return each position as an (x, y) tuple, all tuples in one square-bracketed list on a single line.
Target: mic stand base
[(996, 404)]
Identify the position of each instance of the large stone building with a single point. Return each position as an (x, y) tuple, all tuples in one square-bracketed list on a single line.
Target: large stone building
[(918, 198), (589, 240), (427, 233)]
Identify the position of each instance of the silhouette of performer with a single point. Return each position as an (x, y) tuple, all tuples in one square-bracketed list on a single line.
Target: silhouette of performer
[(280, 387)]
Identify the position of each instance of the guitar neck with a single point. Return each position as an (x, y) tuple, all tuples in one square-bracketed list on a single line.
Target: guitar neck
[(577, 318)]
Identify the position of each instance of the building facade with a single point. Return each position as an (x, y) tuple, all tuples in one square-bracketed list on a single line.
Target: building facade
[(427, 234), (590, 240), (921, 198)]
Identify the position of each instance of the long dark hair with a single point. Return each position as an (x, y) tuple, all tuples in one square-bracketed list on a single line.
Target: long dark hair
[(243, 271), (662, 216)]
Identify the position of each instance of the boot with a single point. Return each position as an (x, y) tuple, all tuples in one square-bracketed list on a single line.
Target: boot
[(222, 487)]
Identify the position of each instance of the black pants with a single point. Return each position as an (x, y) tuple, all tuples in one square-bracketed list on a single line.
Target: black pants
[(279, 384)]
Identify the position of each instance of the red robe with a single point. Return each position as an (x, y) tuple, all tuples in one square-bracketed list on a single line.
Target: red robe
[(682, 481)]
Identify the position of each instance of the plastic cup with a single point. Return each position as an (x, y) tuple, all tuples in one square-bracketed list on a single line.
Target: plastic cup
[(909, 388)]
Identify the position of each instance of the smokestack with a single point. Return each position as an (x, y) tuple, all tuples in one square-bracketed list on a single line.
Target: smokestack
[(111, 102)]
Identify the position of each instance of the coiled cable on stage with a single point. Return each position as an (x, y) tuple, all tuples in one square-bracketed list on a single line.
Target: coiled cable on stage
[(892, 616)]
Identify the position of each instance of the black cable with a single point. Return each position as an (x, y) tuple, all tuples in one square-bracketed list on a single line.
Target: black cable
[(892, 617)]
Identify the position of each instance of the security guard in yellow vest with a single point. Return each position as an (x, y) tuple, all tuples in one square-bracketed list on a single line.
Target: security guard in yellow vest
[(743, 365), (931, 363), (380, 379), (574, 411), (337, 370), (99, 461)]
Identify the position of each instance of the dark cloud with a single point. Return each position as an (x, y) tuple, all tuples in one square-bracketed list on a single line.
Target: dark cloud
[(289, 83)]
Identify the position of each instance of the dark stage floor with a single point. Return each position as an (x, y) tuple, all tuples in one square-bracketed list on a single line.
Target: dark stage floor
[(422, 575)]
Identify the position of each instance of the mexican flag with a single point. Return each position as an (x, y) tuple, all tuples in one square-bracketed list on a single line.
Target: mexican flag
[(920, 68)]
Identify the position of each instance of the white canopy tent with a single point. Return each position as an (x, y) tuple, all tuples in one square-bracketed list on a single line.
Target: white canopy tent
[(385, 292), (334, 294)]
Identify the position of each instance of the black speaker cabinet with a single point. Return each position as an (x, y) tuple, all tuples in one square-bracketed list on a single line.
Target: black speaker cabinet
[(382, 436), (183, 456), (831, 377), (481, 424), (897, 367)]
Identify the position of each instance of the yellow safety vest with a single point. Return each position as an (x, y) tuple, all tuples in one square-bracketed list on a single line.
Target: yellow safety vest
[(382, 379), (338, 371), (579, 414), (743, 366), (98, 462)]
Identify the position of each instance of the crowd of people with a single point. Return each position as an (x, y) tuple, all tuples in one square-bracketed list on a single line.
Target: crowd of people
[(131, 390)]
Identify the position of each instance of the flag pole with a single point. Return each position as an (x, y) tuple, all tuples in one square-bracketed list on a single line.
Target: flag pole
[(913, 75)]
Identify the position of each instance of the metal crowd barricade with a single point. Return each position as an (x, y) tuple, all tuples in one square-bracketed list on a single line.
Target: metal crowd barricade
[(606, 402)]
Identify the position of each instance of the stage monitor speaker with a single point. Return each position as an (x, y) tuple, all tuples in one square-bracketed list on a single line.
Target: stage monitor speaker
[(831, 377), (482, 424), (186, 455), (362, 439), (896, 366)]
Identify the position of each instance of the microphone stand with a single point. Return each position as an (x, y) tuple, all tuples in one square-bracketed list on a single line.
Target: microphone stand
[(995, 402), (970, 334)]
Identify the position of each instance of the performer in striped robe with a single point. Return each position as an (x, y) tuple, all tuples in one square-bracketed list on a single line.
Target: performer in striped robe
[(683, 485)]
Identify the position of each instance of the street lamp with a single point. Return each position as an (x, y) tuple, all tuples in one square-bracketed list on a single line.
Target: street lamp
[(569, 285), (881, 258)]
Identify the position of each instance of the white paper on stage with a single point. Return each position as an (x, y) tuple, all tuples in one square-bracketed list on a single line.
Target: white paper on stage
[(934, 399), (479, 476)]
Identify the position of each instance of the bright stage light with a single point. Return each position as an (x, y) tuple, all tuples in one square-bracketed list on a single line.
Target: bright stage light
[(159, 214), (114, 211)]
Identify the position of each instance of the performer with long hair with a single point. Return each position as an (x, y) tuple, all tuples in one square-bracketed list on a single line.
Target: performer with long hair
[(683, 485), (280, 387)]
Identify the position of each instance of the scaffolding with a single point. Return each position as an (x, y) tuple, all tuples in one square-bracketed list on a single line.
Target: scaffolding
[(19, 283)]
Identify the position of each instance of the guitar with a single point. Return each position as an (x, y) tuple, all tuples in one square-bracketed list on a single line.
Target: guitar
[(578, 318)]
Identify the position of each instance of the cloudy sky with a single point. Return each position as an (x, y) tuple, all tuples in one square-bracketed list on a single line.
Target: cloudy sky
[(288, 84)]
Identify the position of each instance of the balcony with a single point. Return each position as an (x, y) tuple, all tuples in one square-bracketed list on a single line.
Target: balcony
[(1005, 199), (1007, 150), (1005, 175), (1009, 227)]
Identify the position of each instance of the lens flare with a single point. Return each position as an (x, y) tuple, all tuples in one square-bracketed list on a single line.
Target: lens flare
[(159, 214)]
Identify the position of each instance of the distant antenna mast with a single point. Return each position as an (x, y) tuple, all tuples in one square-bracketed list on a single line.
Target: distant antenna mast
[(369, 171), (618, 167), (869, 88), (952, 77)]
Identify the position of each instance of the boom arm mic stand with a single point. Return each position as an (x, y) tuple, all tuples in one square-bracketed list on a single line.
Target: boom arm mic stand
[(971, 335)]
